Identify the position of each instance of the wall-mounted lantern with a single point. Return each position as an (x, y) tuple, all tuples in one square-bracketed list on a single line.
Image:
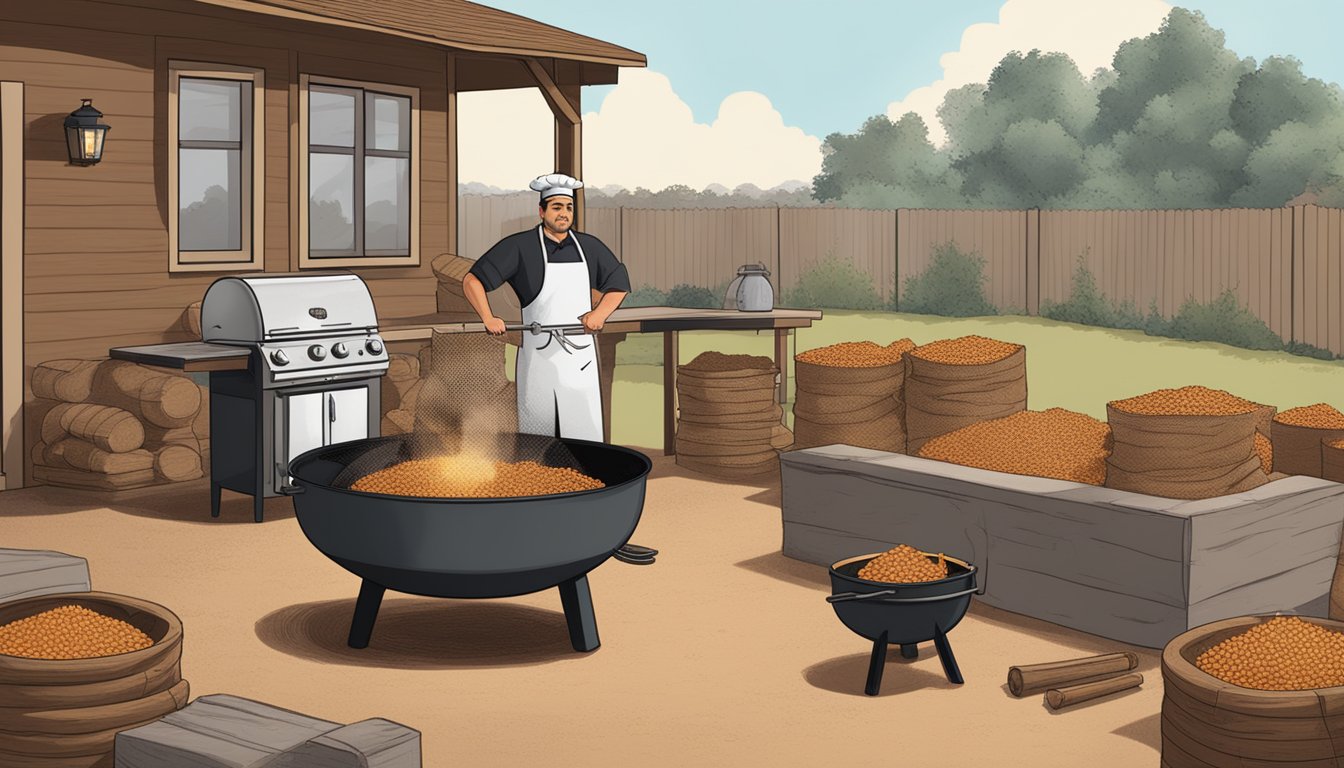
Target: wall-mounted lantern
[(84, 135)]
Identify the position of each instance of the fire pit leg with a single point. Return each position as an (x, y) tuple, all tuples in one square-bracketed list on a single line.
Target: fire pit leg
[(910, 651), (876, 664), (945, 655), (578, 603), (366, 612)]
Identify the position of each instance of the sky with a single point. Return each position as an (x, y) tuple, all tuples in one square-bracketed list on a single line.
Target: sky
[(745, 91)]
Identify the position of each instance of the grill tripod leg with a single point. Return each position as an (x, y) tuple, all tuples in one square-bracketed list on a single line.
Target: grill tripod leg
[(945, 655), (876, 664), (578, 602), (366, 612), (910, 651)]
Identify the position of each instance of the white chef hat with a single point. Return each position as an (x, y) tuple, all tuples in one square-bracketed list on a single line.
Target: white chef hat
[(554, 184)]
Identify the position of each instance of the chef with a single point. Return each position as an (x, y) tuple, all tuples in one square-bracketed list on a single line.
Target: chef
[(561, 277)]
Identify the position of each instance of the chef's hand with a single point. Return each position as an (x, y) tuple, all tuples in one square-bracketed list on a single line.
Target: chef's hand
[(494, 326), (593, 321)]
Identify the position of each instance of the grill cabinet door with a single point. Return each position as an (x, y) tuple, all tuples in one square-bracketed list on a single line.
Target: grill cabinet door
[(304, 422), (348, 414)]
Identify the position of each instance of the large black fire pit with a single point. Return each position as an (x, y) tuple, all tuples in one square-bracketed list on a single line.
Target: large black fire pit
[(902, 614), (469, 548)]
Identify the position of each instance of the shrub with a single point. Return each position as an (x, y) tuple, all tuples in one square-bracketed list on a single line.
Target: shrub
[(692, 297), (834, 283), (953, 285), (645, 296), (1308, 350), (1087, 306), (1223, 320)]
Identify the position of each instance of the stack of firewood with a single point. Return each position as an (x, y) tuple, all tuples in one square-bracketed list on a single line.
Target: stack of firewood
[(111, 425)]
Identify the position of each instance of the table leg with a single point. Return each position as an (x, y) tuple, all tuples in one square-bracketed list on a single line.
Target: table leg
[(669, 393), (782, 362), (606, 370)]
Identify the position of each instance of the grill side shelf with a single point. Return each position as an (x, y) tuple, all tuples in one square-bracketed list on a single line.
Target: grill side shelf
[(186, 356)]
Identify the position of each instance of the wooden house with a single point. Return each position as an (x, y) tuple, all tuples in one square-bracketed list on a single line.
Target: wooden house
[(221, 115)]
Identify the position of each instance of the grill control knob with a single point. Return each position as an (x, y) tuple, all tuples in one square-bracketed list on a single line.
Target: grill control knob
[(374, 346), (340, 350), (317, 352), (279, 357)]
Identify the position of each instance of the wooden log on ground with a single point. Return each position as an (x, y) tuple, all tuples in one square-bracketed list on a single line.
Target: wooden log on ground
[(81, 454), (219, 730), (69, 381), (161, 399), (372, 743), (176, 463), (33, 572), (112, 429), (1024, 680), (1058, 698)]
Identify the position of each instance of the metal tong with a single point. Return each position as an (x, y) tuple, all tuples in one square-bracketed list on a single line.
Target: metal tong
[(557, 332)]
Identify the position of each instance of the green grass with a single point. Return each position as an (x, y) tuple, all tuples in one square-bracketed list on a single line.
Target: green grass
[(1068, 366)]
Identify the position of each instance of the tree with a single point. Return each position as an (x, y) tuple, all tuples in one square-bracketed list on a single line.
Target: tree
[(886, 165)]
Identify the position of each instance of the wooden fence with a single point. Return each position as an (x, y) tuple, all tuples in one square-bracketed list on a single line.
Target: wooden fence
[(1286, 265)]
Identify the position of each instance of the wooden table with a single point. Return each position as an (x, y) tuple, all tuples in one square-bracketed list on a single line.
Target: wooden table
[(666, 320)]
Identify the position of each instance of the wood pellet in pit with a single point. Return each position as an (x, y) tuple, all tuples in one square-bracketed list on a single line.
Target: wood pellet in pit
[(967, 350), (454, 477), (1318, 416), (857, 354), (1282, 654), (903, 564), (1055, 443), (70, 632), (1186, 401)]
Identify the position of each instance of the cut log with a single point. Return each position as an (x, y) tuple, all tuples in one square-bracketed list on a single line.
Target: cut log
[(1024, 680), (157, 438), (69, 381), (403, 367), (201, 423), (373, 743), (176, 463), (33, 572), (1058, 698), (81, 454), (220, 731), (162, 399), (112, 429), (191, 319), (78, 478)]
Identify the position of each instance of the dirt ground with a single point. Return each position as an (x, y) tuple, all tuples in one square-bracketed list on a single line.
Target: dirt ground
[(724, 652)]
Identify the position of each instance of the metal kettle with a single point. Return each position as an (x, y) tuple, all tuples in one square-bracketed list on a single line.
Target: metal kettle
[(750, 291)]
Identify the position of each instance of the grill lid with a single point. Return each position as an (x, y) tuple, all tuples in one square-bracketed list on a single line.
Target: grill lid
[(255, 309)]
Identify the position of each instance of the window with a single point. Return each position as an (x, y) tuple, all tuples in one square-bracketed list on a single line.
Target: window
[(214, 167), (360, 177)]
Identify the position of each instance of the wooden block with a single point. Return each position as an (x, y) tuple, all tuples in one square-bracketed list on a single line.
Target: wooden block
[(373, 743), (111, 429), (66, 380), (80, 454), (158, 398), (33, 572), (218, 731)]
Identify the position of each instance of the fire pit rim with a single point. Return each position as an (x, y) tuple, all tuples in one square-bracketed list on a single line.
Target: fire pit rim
[(835, 569), (294, 466)]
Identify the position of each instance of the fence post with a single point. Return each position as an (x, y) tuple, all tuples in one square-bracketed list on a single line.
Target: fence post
[(1033, 261), (896, 263)]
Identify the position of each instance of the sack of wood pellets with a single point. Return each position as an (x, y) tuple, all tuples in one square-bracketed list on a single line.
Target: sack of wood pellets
[(1298, 435), (1187, 443), (954, 383), (851, 393)]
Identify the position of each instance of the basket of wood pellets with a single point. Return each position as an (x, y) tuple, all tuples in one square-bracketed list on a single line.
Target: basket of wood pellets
[(62, 655), (851, 393), (1262, 689)]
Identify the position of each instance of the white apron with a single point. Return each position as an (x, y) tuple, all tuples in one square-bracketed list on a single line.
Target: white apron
[(551, 380)]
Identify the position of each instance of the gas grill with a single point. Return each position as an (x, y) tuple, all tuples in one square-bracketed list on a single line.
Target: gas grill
[(313, 376)]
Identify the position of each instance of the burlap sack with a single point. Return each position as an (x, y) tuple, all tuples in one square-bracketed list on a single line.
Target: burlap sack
[(756, 433), (942, 398), (762, 471), (1332, 460), (712, 410), (1183, 457), (883, 380), (1297, 450), (883, 433), (772, 413)]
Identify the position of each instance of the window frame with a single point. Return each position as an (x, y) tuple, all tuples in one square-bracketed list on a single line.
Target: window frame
[(365, 259), (251, 255)]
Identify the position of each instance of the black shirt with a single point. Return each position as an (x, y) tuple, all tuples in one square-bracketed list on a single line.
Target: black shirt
[(516, 260)]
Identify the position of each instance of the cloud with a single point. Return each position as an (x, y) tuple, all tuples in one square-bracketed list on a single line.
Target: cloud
[(1089, 32), (643, 135)]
